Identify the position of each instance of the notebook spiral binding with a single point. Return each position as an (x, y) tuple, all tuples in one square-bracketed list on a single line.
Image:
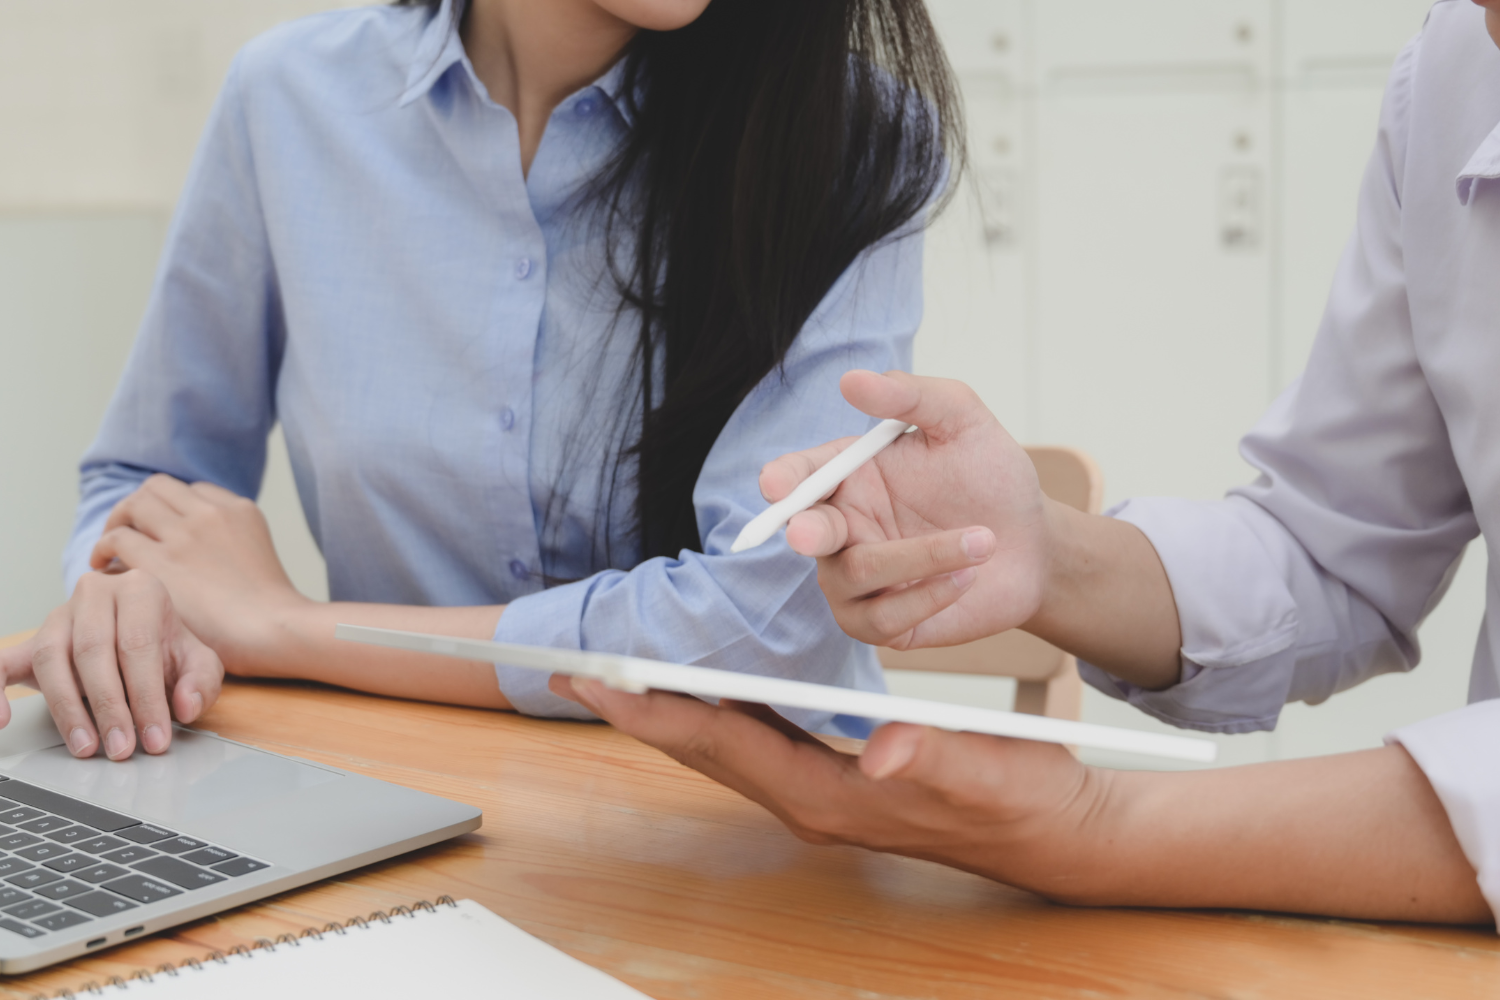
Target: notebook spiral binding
[(117, 983)]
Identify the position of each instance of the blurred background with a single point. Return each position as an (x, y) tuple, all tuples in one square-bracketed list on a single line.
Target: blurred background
[(1160, 191)]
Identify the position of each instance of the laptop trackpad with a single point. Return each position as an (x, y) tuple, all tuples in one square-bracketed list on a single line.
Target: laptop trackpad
[(199, 778)]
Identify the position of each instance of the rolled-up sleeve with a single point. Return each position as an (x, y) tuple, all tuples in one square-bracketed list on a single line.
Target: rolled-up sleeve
[(195, 400), (1315, 576), (759, 611)]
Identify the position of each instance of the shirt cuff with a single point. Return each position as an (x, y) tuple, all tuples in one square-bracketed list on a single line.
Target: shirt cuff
[(1238, 618), (548, 618), (1459, 752)]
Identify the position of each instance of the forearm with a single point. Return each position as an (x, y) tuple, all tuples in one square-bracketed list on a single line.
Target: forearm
[(1354, 835), (1107, 599), (300, 643)]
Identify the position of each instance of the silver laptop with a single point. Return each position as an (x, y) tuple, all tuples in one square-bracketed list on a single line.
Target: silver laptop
[(94, 853)]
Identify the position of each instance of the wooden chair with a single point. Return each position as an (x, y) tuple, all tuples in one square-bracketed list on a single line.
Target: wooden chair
[(1047, 681)]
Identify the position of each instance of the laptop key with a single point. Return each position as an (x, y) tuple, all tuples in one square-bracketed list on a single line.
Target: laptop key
[(9, 866), (32, 908), (178, 844), (46, 824), (63, 805), (58, 921), (100, 844), (146, 833), (72, 834), (10, 895), (100, 904), (33, 878), (129, 855), (98, 873), (70, 863), (178, 872), (64, 890), (20, 814), (240, 866), (141, 889), (209, 856), (41, 852), (25, 930), (16, 840)]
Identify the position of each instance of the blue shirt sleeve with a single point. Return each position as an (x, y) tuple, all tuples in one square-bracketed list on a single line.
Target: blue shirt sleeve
[(759, 611), (196, 398)]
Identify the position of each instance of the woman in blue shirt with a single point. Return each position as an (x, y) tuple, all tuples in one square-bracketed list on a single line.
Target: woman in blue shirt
[(533, 290)]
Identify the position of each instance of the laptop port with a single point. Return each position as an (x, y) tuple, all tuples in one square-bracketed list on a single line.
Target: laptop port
[(134, 930), (94, 943)]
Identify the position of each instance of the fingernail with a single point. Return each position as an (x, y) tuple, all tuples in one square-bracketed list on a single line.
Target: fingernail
[(79, 740), (155, 739), (978, 544), (896, 758), (116, 743), (197, 700), (962, 578)]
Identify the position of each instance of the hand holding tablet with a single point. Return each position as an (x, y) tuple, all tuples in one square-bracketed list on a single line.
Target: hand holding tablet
[(628, 673)]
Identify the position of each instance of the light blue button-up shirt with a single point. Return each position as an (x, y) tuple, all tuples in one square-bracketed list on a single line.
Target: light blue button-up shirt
[(358, 255)]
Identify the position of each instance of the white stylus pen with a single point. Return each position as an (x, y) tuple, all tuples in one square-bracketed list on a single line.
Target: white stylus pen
[(818, 485)]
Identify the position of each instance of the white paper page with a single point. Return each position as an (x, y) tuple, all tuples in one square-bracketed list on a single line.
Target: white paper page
[(454, 953)]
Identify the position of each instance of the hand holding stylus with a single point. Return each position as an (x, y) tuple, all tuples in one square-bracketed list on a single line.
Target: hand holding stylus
[(905, 542)]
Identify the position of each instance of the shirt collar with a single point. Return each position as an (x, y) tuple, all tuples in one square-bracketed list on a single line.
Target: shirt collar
[(1483, 165), (440, 47), (612, 84)]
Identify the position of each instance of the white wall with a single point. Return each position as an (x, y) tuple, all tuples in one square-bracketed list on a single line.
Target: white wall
[(101, 103), (1167, 184)]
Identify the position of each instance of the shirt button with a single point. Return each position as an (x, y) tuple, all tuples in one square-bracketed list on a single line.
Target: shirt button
[(518, 570), (507, 418), (523, 267), (585, 107)]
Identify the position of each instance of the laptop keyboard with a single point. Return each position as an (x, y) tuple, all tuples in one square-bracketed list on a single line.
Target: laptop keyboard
[(64, 862)]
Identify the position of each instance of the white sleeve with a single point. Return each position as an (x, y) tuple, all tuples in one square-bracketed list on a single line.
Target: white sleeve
[(1460, 754)]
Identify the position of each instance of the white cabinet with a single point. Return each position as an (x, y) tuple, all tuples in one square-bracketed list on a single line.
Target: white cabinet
[(1153, 217), (1348, 36), (1094, 39), (1152, 331), (1335, 56), (975, 268), (984, 36)]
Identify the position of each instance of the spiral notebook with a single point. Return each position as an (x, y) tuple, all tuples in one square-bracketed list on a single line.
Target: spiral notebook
[(452, 949)]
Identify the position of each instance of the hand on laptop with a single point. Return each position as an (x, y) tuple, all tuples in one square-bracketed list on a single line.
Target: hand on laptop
[(212, 550), (182, 571), (119, 644), (905, 545)]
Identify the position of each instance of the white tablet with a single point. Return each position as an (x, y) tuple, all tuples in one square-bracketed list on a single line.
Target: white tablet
[(629, 673)]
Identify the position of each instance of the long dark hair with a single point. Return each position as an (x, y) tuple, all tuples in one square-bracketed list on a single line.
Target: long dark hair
[(772, 142)]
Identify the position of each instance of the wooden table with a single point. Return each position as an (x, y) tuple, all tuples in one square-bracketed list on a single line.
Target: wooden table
[(647, 870)]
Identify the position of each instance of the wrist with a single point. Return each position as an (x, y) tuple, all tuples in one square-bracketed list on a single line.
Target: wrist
[(1062, 552), (1107, 600), (1083, 857), (1113, 847), (267, 638)]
